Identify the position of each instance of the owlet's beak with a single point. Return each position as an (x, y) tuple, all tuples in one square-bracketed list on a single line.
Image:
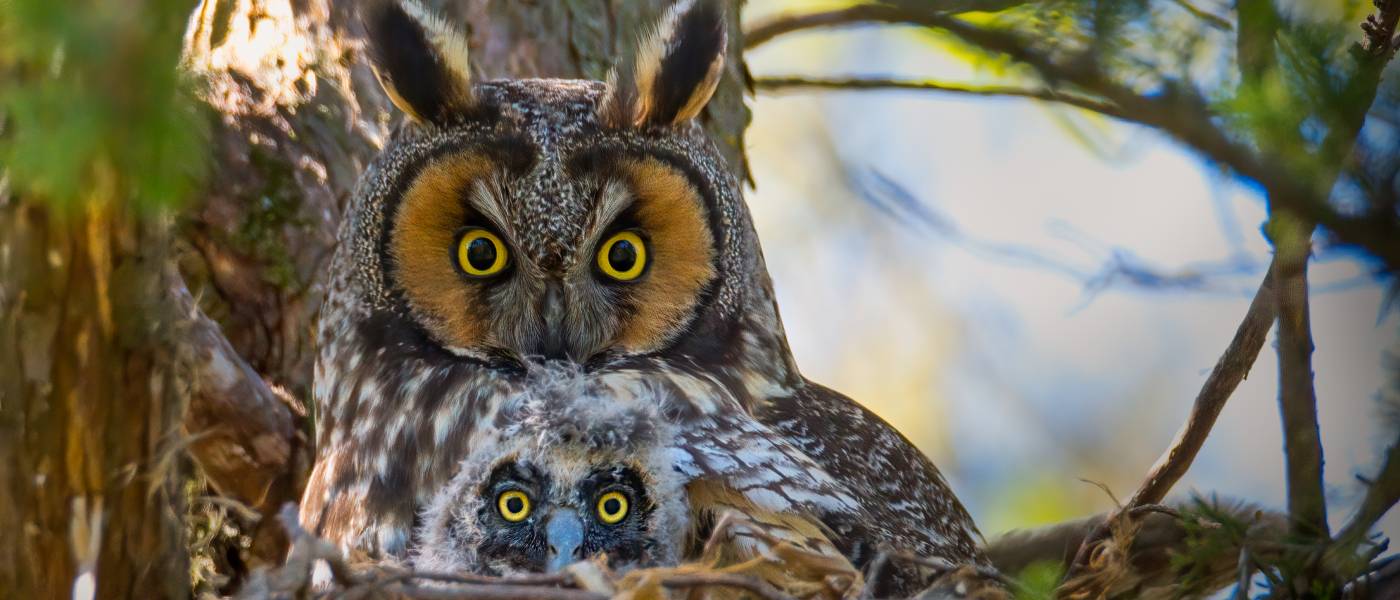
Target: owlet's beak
[(564, 534)]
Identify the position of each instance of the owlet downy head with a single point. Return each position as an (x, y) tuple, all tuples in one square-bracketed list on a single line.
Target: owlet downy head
[(563, 483), (568, 477)]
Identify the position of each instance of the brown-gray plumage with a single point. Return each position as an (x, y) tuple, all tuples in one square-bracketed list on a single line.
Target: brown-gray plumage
[(567, 444), (513, 226)]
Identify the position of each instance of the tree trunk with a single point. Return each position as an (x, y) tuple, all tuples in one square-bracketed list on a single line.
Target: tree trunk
[(92, 402), (110, 372)]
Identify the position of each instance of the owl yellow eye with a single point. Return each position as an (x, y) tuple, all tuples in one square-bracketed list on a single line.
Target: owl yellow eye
[(623, 256), (612, 507), (480, 253), (514, 505)]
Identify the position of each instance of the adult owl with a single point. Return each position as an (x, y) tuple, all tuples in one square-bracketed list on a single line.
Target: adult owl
[(512, 225)]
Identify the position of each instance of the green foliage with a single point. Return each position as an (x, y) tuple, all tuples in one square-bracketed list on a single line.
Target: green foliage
[(1038, 581), (95, 108), (1279, 77), (1214, 535)]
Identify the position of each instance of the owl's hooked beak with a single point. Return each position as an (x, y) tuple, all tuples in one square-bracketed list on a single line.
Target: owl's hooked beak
[(553, 341), (564, 534)]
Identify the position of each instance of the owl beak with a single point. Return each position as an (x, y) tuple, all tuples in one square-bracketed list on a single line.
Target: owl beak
[(564, 533), (553, 340)]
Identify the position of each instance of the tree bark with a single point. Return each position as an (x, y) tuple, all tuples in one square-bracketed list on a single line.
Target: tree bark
[(91, 401)]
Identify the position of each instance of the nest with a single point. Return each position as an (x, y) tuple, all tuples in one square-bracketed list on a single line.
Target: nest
[(779, 571)]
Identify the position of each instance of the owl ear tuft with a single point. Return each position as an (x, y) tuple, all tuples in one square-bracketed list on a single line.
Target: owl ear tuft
[(419, 58), (675, 70)]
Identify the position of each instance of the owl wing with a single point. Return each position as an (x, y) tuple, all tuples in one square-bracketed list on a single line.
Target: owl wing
[(750, 458), (792, 551), (907, 505)]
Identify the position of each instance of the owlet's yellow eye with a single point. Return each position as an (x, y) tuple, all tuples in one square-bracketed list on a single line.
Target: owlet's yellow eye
[(623, 256), (612, 508), (514, 505), (480, 253)]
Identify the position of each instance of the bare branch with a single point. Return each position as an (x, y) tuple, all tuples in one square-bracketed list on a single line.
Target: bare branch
[(245, 438), (749, 584), (1246, 575), (240, 432), (1382, 580), (1232, 368), (1045, 94), (1291, 232), (1211, 19), (765, 31), (477, 591), (1381, 496), (1297, 399), (1379, 28), (942, 567)]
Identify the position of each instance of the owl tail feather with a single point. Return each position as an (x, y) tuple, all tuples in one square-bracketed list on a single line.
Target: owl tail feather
[(1189, 550)]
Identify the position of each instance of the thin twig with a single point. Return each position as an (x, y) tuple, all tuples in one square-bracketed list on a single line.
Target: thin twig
[(719, 535), (1246, 575), (750, 584), (1212, 19), (308, 548), (1158, 509), (763, 32), (1381, 580), (1232, 368), (865, 83), (1381, 495), (860, 14), (942, 567), (521, 580), (874, 574), (494, 592)]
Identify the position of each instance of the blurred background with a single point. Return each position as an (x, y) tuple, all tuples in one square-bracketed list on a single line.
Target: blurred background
[(1034, 294)]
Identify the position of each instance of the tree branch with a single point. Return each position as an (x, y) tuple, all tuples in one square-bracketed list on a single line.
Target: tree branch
[(1210, 18), (1045, 94), (1179, 110), (241, 433), (765, 31), (1380, 497), (1232, 368), (1379, 30), (1291, 233), (749, 584), (1302, 442), (244, 432)]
